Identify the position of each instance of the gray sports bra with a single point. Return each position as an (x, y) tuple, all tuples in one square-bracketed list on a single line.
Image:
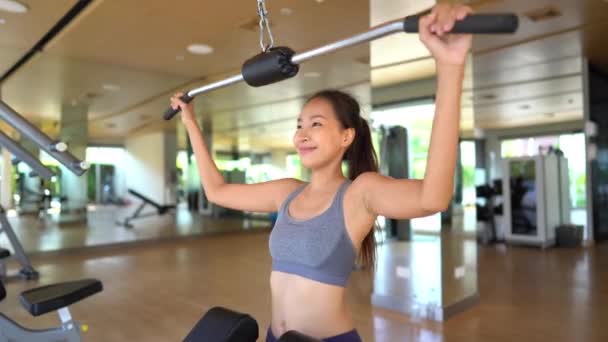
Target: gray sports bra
[(318, 248)]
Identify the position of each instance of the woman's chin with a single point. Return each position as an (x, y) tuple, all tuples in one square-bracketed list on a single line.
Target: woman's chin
[(308, 163)]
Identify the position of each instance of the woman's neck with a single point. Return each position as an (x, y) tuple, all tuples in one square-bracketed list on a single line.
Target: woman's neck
[(326, 178)]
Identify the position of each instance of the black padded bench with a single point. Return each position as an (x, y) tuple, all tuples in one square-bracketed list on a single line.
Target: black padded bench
[(4, 253), (44, 299)]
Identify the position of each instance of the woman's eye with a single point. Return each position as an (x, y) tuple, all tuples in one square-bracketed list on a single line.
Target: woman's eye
[(316, 124), (298, 126)]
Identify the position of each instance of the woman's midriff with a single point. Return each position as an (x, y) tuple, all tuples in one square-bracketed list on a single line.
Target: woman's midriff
[(307, 306)]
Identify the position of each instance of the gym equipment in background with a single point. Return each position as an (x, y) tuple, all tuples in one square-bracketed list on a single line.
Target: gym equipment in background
[(160, 209), (57, 150), (27, 271), (536, 198)]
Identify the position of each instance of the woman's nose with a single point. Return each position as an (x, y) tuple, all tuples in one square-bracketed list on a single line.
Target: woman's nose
[(302, 135)]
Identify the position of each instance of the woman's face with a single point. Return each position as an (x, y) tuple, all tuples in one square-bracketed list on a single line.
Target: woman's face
[(320, 138)]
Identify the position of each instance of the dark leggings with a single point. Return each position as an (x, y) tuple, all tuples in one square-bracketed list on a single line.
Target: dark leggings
[(351, 336)]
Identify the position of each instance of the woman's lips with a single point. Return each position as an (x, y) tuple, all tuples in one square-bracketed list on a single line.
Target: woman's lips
[(306, 150)]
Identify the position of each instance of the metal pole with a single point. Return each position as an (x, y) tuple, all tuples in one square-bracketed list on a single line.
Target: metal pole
[(372, 34), (25, 156), (27, 270), (216, 85), (55, 149)]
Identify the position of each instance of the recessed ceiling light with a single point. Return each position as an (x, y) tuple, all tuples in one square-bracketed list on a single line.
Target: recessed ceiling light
[(111, 87), (91, 95), (320, 1), (200, 49), (543, 13), (286, 11), (312, 74), (13, 6)]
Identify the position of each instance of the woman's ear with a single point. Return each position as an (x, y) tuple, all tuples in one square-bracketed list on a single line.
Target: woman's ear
[(348, 136)]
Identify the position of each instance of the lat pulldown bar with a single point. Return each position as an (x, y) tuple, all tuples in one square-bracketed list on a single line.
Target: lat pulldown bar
[(281, 63)]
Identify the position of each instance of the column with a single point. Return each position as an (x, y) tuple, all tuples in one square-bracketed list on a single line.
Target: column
[(74, 132)]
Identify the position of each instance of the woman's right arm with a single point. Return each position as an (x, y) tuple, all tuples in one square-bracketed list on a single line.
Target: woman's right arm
[(261, 197)]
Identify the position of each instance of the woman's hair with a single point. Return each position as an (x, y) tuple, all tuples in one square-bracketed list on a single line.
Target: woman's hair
[(360, 156)]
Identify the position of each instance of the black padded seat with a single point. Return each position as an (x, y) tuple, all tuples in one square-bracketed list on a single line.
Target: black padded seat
[(2, 291), (224, 325), (44, 299), (4, 253)]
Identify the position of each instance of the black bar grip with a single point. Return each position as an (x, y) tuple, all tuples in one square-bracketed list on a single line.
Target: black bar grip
[(474, 23), (170, 113)]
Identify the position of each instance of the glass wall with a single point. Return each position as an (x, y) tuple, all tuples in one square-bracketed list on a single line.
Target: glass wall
[(105, 182), (417, 118), (106, 178)]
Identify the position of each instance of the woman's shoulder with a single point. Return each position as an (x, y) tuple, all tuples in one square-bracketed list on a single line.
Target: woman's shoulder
[(366, 179), (288, 186), (362, 185), (291, 183)]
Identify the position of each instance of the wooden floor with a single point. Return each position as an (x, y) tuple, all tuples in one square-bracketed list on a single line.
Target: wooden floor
[(157, 292)]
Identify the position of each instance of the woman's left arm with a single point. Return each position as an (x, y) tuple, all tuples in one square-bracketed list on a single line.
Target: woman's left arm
[(404, 198)]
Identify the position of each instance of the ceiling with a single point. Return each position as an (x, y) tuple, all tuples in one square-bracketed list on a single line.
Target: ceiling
[(531, 78), (138, 60), (125, 60)]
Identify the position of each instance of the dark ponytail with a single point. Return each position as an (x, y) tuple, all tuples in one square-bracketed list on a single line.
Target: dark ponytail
[(360, 156)]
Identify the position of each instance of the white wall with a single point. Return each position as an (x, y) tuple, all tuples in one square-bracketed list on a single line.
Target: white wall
[(145, 166)]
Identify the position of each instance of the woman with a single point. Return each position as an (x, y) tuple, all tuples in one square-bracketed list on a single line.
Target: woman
[(323, 225)]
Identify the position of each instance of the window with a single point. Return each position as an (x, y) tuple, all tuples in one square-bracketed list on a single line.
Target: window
[(570, 144)]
